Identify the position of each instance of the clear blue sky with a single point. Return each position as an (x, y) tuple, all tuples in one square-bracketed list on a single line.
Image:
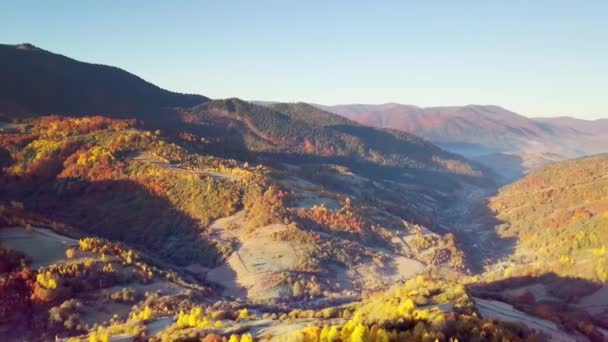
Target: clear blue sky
[(539, 58)]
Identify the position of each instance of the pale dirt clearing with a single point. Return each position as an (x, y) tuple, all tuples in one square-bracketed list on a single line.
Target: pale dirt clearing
[(42, 246), (154, 327), (371, 276), (491, 309), (165, 288), (306, 194), (254, 269), (405, 268), (100, 308), (229, 227)]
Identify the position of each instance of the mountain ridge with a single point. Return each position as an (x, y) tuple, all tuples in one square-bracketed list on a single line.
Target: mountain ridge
[(487, 133), (39, 82)]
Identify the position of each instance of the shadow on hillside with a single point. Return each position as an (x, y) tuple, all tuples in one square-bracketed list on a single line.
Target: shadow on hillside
[(572, 303), (433, 188), (567, 289), (120, 210), (5, 158), (450, 209), (446, 181)]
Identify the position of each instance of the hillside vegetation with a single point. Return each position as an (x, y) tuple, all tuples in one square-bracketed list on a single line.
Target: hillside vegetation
[(559, 215), (171, 217)]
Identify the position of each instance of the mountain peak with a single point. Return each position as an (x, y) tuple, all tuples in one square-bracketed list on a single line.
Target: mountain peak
[(27, 47)]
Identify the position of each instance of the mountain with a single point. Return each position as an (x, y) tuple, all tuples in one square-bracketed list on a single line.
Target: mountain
[(171, 217), (487, 128), (37, 82), (136, 218), (488, 133)]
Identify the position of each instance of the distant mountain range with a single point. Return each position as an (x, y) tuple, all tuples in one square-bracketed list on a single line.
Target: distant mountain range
[(507, 142)]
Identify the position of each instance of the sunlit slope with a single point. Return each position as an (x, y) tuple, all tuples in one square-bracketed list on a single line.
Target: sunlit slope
[(559, 215)]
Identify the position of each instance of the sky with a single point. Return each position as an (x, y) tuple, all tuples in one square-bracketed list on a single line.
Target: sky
[(538, 58)]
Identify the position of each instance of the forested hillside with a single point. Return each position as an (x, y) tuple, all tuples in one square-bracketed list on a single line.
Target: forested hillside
[(559, 215), (38, 82), (301, 129)]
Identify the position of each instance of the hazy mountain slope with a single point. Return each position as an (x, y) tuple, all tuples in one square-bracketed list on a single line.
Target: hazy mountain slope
[(512, 166), (38, 82), (310, 114), (597, 126), (484, 128), (488, 133), (355, 109)]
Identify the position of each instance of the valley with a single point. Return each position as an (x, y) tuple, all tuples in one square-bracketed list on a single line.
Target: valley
[(153, 215), (509, 144)]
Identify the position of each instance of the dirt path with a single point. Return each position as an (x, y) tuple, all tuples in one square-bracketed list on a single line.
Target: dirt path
[(42, 247)]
